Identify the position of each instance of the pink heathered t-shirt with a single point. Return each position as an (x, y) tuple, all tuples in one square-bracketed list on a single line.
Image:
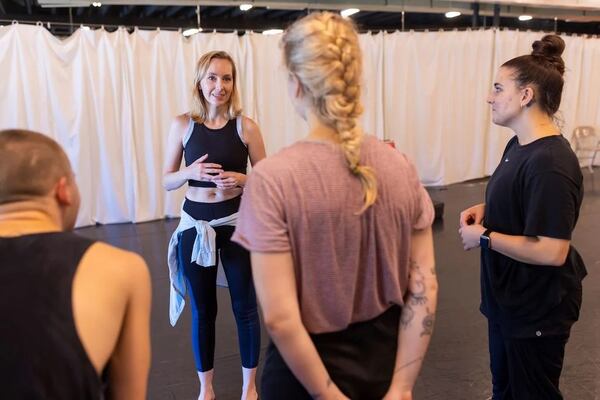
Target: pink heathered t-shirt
[(348, 267)]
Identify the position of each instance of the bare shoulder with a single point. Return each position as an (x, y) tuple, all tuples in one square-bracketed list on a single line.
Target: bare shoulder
[(182, 120), (249, 126), (179, 125), (120, 264), (248, 122)]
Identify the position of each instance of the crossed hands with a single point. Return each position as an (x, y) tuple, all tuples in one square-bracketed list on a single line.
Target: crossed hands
[(394, 393), (471, 226), (211, 172)]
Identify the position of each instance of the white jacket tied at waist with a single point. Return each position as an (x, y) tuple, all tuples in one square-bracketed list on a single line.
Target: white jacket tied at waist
[(204, 253)]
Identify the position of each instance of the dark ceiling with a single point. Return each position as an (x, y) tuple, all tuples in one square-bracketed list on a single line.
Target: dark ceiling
[(228, 18)]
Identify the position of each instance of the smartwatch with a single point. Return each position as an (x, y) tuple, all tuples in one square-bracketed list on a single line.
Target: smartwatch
[(485, 242)]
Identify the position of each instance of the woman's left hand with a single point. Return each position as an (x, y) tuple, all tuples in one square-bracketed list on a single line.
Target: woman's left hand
[(229, 180), (470, 235)]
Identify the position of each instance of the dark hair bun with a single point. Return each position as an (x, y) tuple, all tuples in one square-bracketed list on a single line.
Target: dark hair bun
[(550, 48)]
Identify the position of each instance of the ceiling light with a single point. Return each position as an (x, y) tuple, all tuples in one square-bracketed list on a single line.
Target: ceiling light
[(191, 31), (272, 31), (525, 17), (452, 14), (97, 4), (348, 12), (85, 28), (245, 6)]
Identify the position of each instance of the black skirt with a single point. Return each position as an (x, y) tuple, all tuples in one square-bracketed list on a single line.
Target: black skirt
[(359, 359)]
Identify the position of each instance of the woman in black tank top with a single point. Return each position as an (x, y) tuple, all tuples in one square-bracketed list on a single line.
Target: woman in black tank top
[(215, 141)]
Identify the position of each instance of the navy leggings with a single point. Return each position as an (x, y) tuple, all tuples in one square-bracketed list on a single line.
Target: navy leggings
[(201, 285)]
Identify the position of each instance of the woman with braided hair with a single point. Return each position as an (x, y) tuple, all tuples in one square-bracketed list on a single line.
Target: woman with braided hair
[(339, 229), (530, 274)]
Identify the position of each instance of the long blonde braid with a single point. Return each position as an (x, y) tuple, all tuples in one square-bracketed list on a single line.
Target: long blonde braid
[(322, 50)]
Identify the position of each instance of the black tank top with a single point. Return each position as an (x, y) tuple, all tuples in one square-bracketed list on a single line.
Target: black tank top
[(41, 355), (223, 146)]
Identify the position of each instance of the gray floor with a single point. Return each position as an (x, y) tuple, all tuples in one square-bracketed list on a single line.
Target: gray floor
[(457, 363)]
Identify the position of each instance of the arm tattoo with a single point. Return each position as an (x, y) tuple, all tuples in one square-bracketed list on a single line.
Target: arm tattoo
[(407, 315), (416, 285), (416, 294), (400, 368), (428, 323)]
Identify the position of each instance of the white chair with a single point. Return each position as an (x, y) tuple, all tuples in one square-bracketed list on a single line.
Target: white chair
[(587, 144)]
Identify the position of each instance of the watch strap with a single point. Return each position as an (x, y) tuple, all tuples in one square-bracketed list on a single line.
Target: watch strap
[(485, 238)]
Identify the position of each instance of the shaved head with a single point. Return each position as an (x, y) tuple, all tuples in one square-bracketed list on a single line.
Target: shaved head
[(30, 165)]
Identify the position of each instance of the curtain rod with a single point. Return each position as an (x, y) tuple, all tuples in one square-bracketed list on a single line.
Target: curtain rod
[(74, 24), (48, 24)]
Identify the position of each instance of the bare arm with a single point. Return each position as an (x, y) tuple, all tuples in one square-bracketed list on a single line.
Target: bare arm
[(275, 284), (173, 178), (130, 362), (417, 318), (254, 140), (538, 250)]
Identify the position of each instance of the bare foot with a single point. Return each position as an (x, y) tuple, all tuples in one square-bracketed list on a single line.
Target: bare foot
[(250, 394), (208, 394)]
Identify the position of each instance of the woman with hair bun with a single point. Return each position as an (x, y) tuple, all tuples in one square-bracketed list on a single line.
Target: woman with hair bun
[(339, 229), (530, 274)]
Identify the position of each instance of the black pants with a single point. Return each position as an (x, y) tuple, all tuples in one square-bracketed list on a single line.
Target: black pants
[(202, 287), (525, 369), (359, 359)]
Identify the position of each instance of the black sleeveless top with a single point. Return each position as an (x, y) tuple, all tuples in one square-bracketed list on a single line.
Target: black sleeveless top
[(223, 147), (41, 355)]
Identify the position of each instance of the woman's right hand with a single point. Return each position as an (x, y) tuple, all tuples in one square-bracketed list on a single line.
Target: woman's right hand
[(333, 393), (201, 171), (472, 215)]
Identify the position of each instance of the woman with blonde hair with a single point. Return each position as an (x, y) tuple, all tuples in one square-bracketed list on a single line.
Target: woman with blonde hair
[(338, 226), (216, 142)]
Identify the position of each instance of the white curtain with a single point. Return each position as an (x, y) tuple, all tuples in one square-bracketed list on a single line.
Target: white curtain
[(109, 98)]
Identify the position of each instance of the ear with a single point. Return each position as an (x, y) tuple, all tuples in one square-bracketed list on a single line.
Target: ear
[(63, 192), (527, 96)]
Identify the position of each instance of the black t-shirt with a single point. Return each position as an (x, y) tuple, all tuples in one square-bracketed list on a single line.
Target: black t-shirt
[(536, 190)]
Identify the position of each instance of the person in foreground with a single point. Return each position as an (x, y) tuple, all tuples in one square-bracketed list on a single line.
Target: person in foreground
[(70, 307), (215, 140), (530, 274), (339, 229)]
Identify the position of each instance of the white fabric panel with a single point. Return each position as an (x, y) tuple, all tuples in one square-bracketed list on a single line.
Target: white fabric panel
[(435, 110), (279, 123), (372, 84), (588, 91), (109, 99)]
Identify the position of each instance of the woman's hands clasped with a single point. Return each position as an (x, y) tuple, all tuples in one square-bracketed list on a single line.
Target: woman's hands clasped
[(201, 171), (211, 172), (229, 180), (471, 226)]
